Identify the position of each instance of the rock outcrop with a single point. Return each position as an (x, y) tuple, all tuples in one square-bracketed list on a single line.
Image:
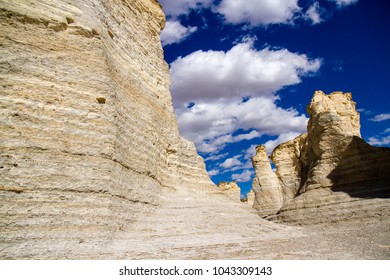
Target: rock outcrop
[(91, 162), (250, 198), (266, 185), (230, 189), (89, 136), (328, 174)]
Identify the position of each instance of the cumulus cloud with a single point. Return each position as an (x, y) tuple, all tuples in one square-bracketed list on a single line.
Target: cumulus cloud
[(380, 118), (258, 12), (364, 111), (314, 13), (379, 141), (215, 93), (175, 32), (383, 139), (250, 152), (205, 76), (220, 141), (210, 125), (231, 162), (216, 157), (175, 8), (284, 137), (213, 172), (245, 176), (343, 3), (246, 165)]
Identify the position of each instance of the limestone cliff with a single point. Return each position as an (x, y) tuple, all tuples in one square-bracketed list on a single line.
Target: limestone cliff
[(250, 198), (91, 162), (328, 174), (267, 188), (88, 132), (230, 189)]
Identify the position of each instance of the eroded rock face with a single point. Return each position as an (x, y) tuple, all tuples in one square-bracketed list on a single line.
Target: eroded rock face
[(250, 198), (288, 159), (88, 133), (231, 189), (266, 186), (330, 173)]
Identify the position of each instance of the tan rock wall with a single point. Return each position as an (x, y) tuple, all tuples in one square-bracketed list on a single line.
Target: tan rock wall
[(250, 198), (89, 136), (266, 185), (230, 189), (287, 158)]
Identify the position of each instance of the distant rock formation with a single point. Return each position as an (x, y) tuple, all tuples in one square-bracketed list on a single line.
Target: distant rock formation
[(230, 189), (326, 175), (250, 198), (89, 137)]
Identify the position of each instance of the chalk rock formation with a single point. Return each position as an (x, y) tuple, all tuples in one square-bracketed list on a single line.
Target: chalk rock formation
[(230, 189), (266, 185), (250, 198), (287, 159), (91, 162), (88, 132), (330, 173)]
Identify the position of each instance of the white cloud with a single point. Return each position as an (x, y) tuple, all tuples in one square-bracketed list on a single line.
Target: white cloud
[(174, 32), (175, 8), (220, 141), (380, 118), (271, 144), (231, 162), (258, 12), (250, 152), (383, 139), (364, 111), (210, 125), (213, 172), (215, 82), (205, 76), (343, 3), (245, 176), (246, 165), (379, 141), (314, 13), (216, 157)]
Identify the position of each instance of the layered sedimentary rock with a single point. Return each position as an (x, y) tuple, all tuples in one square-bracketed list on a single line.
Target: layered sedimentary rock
[(250, 198), (88, 132), (266, 185), (230, 189), (330, 173)]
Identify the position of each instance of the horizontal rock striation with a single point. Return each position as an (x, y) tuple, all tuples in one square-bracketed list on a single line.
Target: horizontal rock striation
[(328, 174), (91, 162), (230, 189), (89, 136), (250, 198), (266, 185)]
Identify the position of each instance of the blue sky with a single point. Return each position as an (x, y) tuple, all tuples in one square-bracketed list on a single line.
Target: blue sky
[(243, 71)]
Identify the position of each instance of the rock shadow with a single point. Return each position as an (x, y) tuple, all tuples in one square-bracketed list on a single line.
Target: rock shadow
[(363, 171)]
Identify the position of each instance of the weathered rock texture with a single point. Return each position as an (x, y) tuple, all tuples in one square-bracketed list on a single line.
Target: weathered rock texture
[(88, 132), (230, 189), (250, 198), (92, 165), (266, 185), (328, 174)]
